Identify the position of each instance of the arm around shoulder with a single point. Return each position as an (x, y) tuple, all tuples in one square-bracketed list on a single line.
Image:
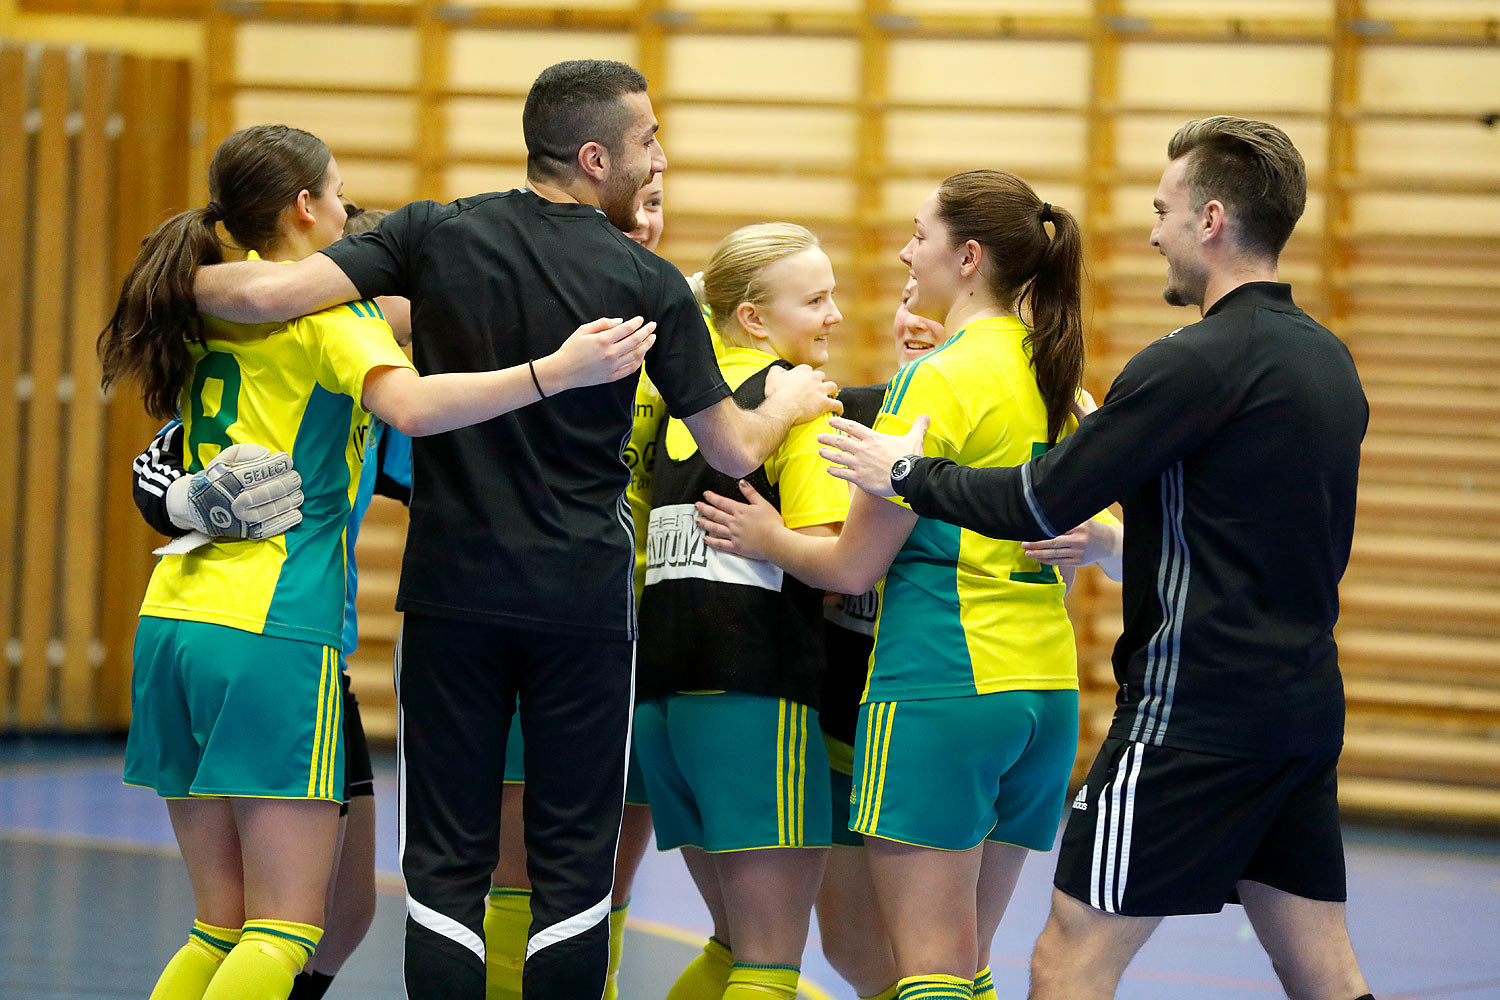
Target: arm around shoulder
[(600, 351), (258, 291), (737, 441)]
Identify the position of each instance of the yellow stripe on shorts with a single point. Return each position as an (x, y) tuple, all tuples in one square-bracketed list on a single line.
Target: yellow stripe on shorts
[(885, 749), (780, 771), (864, 770), (317, 749), (791, 773), (335, 724), (802, 775), (872, 782)]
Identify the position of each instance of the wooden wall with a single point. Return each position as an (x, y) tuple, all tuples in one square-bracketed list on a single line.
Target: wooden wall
[(842, 114), (91, 157)]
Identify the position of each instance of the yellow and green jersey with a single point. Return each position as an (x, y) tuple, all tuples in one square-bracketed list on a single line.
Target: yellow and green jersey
[(293, 387), (962, 613), (809, 495)]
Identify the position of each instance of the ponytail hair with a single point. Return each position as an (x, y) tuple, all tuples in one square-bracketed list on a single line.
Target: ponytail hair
[(255, 174), (146, 338), (1043, 276), (734, 272)]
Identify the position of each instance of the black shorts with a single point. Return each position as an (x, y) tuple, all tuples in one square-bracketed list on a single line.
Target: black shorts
[(1157, 831), (359, 774)]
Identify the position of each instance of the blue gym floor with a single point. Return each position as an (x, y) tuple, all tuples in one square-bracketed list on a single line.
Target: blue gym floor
[(93, 900)]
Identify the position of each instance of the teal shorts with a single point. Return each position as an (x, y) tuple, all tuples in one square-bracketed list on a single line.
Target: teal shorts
[(515, 764), (221, 711), (949, 773), (733, 772), (841, 787)]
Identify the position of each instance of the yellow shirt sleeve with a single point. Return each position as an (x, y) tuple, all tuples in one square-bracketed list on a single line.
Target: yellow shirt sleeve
[(920, 388), (809, 495), (347, 342)]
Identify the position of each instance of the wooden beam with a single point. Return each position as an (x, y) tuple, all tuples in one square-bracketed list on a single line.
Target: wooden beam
[(46, 336), (83, 541), (16, 77)]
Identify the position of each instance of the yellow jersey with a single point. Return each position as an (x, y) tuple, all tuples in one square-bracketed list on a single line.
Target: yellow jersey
[(809, 495), (293, 387), (961, 613)]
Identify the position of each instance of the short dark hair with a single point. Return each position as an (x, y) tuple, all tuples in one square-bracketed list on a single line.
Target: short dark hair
[(1250, 166), (573, 103)]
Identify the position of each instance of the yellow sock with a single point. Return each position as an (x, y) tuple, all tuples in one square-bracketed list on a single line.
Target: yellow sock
[(889, 993), (706, 976), (262, 966), (984, 985), (188, 974), (507, 924), (761, 982), (935, 987), (616, 949)]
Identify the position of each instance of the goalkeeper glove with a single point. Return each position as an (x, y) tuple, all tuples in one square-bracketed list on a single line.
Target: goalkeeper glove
[(245, 492)]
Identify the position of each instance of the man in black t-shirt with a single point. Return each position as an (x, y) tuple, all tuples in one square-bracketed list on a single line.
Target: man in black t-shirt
[(1233, 444), (517, 576)]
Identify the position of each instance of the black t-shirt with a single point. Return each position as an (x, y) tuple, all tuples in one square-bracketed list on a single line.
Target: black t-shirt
[(522, 520), (1233, 445)]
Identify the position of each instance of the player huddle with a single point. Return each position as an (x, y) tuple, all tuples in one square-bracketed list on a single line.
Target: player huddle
[(860, 700)]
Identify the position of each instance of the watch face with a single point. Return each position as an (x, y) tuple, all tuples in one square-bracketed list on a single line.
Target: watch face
[(900, 469)]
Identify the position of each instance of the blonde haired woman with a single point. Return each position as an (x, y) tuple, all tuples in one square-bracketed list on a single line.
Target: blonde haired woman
[(731, 656)]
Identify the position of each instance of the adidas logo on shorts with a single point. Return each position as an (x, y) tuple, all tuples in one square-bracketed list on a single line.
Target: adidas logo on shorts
[(1081, 800)]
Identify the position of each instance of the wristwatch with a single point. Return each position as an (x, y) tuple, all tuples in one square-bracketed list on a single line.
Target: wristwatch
[(901, 468)]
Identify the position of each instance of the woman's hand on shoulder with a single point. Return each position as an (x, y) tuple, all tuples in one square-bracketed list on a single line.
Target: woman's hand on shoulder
[(604, 350)]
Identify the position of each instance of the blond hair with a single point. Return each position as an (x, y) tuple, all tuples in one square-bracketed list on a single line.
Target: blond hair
[(735, 271)]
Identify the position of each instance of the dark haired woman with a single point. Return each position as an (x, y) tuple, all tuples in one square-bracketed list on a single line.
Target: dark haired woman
[(236, 695), (969, 722)]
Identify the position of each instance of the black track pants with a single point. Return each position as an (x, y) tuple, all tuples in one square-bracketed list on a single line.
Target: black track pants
[(456, 682)]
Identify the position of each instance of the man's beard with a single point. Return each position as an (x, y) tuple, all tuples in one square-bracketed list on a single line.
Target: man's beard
[(1184, 289), (617, 200)]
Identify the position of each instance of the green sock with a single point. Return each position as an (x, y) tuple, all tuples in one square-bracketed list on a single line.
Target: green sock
[(269, 955), (984, 985), (889, 993), (761, 982), (935, 987), (189, 972), (706, 976), (616, 949), (507, 925)]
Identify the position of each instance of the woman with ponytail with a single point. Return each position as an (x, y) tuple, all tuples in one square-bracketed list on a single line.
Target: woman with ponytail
[(236, 707), (968, 725)]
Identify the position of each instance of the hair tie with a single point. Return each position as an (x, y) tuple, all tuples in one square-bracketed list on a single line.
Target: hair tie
[(531, 366), (215, 211), (1046, 212)]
